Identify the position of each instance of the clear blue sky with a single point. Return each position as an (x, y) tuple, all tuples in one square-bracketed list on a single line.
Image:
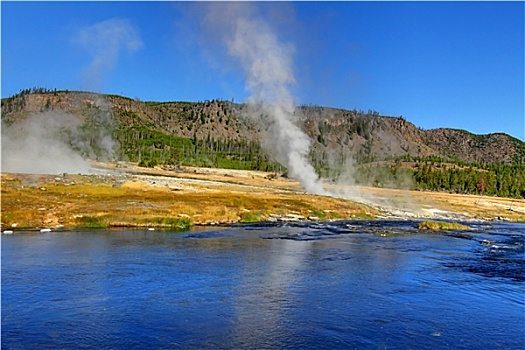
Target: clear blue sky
[(438, 64)]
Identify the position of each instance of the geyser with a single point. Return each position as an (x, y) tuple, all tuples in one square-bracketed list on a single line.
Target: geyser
[(54, 141), (39, 145), (267, 66)]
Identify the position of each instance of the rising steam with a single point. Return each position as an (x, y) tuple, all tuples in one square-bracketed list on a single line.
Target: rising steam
[(267, 66), (53, 141), (40, 145), (104, 41)]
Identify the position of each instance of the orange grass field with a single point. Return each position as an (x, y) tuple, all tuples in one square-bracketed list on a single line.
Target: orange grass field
[(139, 197)]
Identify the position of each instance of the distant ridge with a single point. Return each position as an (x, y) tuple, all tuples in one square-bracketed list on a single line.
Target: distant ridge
[(367, 136)]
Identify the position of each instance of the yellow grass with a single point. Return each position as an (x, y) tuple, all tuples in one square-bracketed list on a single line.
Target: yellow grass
[(200, 196), (135, 203)]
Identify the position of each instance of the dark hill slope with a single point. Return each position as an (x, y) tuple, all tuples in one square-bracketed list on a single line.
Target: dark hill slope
[(367, 136), (460, 144)]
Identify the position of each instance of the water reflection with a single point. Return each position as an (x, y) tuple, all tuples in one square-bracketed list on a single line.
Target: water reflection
[(267, 292), (341, 285)]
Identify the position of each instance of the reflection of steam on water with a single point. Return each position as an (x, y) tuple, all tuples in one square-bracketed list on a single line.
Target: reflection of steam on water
[(263, 314)]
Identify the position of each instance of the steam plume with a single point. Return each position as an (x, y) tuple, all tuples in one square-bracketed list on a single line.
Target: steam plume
[(267, 65), (39, 145), (56, 141), (105, 41), (53, 141)]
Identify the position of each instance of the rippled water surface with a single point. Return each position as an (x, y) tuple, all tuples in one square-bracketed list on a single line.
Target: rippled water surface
[(355, 284)]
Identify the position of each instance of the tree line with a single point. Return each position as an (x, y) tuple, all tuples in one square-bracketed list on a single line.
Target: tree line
[(504, 180), (150, 148)]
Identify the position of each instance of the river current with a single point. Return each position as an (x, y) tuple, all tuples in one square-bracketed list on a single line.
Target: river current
[(339, 285)]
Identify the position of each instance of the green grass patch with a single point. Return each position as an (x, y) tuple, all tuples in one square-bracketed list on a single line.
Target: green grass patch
[(252, 216), (319, 213), (92, 222), (174, 223), (441, 225)]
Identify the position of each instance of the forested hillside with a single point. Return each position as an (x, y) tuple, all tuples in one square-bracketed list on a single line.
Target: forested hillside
[(372, 149)]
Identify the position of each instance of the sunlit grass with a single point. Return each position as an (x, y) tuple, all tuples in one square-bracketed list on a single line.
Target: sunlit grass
[(92, 222), (36, 201), (441, 225), (88, 204), (249, 217)]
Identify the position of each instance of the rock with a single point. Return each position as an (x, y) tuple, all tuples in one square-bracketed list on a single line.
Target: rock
[(287, 219), (45, 230), (313, 218), (295, 217)]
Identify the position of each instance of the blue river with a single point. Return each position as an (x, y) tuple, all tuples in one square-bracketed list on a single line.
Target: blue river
[(340, 285)]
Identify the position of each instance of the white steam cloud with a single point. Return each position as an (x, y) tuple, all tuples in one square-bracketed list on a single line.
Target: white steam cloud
[(104, 41), (53, 141), (267, 65), (38, 145)]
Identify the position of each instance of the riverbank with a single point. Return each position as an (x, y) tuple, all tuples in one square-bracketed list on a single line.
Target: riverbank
[(128, 196), (155, 200)]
